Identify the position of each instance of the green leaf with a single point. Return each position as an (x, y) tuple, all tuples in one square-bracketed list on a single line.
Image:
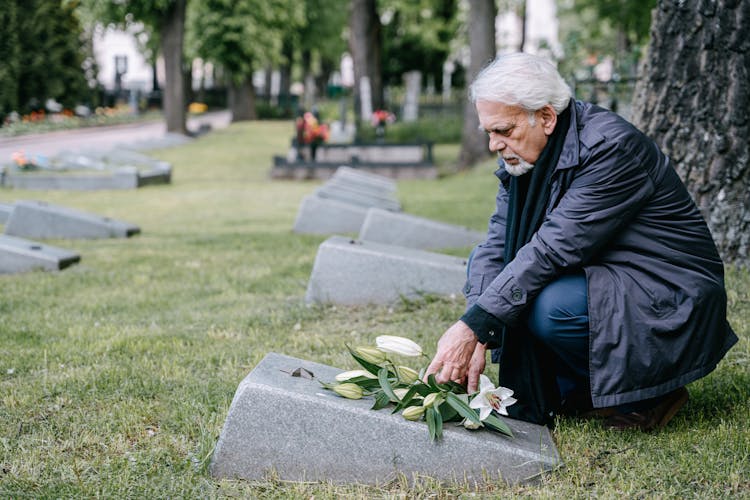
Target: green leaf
[(448, 413), (386, 385), (381, 400), (462, 408), (406, 399), (497, 424), (370, 367), (435, 423)]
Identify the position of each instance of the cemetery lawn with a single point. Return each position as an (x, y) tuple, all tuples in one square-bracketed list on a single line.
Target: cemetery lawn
[(116, 374)]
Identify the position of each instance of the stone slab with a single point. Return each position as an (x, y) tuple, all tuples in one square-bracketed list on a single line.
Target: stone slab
[(5, 211), (283, 169), (18, 255), (38, 219), (292, 427), (120, 178), (406, 230), (350, 194), (355, 176), (351, 272), (325, 216), (369, 189)]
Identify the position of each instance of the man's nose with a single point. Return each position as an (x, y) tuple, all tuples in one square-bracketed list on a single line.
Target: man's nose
[(496, 143)]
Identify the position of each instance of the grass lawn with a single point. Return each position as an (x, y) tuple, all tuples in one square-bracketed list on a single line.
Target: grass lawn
[(116, 374)]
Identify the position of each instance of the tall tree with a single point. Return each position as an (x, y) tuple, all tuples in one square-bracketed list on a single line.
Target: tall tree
[(417, 36), (167, 19), (365, 46), (10, 57), (482, 14), (693, 99), (241, 36)]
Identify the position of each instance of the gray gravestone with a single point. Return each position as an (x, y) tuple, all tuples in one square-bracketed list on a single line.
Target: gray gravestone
[(5, 211), (358, 177), (350, 194), (350, 272), (38, 219), (411, 231), (325, 216), (18, 255), (292, 427), (413, 84)]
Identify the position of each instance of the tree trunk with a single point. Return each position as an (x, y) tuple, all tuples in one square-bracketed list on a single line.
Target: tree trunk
[(364, 45), (285, 74), (474, 143), (172, 37), (242, 100), (693, 100)]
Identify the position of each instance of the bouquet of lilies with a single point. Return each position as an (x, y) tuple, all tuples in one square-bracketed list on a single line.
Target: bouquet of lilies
[(418, 398)]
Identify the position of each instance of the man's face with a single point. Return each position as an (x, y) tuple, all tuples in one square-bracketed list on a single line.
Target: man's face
[(512, 137)]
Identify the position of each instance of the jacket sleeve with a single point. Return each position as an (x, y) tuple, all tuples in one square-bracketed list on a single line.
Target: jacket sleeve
[(487, 259), (610, 187)]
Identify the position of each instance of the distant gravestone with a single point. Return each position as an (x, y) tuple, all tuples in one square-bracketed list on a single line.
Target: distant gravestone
[(355, 176), (413, 84), (18, 255), (365, 98), (355, 196), (38, 219), (411, 231), (351, 272), (5, 211), (318, 215), (290, 426)]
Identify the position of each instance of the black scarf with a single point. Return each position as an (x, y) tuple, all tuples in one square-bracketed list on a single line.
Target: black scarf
[(525, 365)]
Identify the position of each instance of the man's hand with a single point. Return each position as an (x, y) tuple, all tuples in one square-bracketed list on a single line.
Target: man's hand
[(455, 355), (476, 367)]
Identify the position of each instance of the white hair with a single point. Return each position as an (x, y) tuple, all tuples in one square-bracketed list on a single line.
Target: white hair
[(524, 80)]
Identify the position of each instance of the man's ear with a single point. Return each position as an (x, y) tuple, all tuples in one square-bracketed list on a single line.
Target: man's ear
[(548, 116)]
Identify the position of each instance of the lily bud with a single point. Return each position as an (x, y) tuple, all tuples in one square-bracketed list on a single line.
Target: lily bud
[(413, 412), (348, 390), (471, 425), (344, 376), (400, 393), (370, 354), (406, 374), (432, 399), (398, 345)]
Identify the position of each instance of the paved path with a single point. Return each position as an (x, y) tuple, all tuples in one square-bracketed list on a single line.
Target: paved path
[(98, 138)]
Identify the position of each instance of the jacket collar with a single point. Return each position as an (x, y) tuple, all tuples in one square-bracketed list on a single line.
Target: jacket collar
[(569, 154)]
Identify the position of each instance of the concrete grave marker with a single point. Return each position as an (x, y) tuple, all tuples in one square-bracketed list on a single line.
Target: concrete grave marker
[(5, 211), (358, 177), (318, 215), (415, 232), (293, 427), (354, 196), (38, 219), (353, 272), (18, 255)]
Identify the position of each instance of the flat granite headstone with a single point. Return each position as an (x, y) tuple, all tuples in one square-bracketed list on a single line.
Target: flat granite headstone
[(292, 427), (350, 272), (5, 211), (415, 232), (357, 176), (318, 215), (18, 255), (38, 219), (354, 196)]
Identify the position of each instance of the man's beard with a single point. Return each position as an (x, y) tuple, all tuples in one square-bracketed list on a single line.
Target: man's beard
[(518, 169)]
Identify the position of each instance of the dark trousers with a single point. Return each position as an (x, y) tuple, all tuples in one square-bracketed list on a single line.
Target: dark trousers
[(559, 318)]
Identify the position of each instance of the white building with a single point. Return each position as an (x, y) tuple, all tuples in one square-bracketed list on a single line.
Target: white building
[(112, 45)]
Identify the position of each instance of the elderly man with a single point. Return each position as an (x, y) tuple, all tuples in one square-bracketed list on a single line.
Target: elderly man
[(599, 286)]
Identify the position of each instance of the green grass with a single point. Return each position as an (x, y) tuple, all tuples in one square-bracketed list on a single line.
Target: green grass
[(116, 374)]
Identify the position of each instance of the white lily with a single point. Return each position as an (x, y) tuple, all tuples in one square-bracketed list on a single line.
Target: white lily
[(344, 376), (491, 398), (398, 345)]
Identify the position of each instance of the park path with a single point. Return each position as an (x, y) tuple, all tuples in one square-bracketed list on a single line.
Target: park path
[(99, 138)]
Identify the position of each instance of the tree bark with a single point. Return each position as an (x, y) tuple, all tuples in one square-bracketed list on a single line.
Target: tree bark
[(364, 45), (474, 143), (242, 100), (172, 38), (693, 100)]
